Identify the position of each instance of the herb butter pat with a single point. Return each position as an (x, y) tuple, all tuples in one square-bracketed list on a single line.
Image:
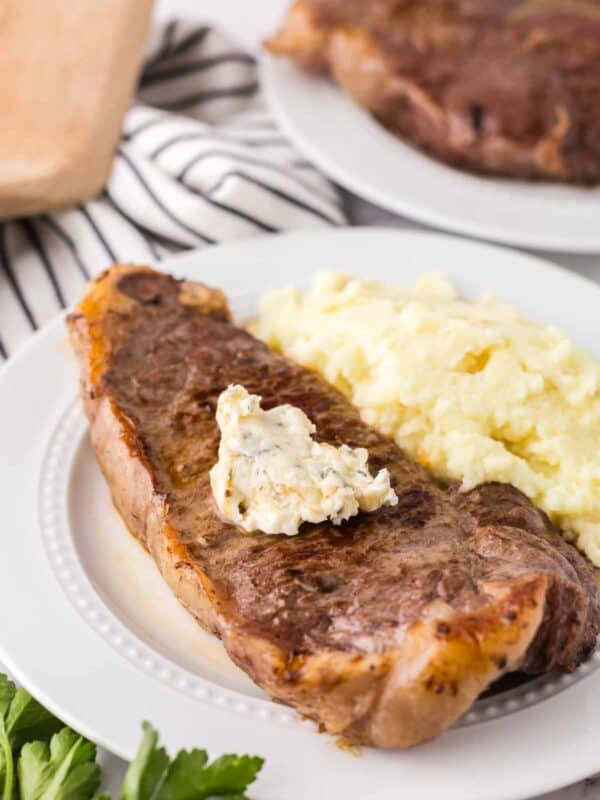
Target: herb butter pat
[(272, 476)]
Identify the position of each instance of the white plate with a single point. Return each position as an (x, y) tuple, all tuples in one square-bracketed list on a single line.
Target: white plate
[(355, 150), (89, 627)]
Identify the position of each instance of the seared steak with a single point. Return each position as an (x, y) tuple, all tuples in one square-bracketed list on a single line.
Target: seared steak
[(510, 87), (384, 629)]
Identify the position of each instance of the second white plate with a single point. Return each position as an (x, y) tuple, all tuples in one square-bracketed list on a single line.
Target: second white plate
[(357, 152)]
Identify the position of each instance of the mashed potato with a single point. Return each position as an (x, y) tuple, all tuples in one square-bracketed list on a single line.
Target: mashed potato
[(473, 390)]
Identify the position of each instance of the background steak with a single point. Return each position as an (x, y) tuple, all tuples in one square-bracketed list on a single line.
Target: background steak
[(510, 87), (384, 629)]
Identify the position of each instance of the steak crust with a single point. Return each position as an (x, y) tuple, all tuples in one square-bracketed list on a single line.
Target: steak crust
[(509, 87), (384, 629)]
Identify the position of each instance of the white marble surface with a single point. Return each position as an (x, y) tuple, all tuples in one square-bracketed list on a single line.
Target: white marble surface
[(250, 22)]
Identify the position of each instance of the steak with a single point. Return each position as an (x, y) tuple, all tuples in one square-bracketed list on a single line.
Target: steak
[(507, 87), (384, 629)]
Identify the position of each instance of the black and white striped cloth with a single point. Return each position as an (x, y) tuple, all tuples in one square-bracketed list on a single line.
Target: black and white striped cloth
[(200, 161)]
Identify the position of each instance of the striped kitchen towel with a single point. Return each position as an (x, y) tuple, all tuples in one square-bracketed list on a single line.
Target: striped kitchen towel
[(200, 161)]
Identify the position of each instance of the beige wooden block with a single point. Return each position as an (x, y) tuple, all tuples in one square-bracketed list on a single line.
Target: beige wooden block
[(68, 69)]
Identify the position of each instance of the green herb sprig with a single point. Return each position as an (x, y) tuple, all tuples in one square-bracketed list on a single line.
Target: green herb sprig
[(41, 759)]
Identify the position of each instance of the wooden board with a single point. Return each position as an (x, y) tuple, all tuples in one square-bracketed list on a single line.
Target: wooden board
[(68, 69)]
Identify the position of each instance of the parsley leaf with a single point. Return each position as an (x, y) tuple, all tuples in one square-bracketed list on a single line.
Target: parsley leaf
[(32, 762), (148, 768), (230, 775), (152, 776), (28, 720), (7, 692), (8, 770), (40, 759), (22, 718), (65, 770), (185, 772)]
